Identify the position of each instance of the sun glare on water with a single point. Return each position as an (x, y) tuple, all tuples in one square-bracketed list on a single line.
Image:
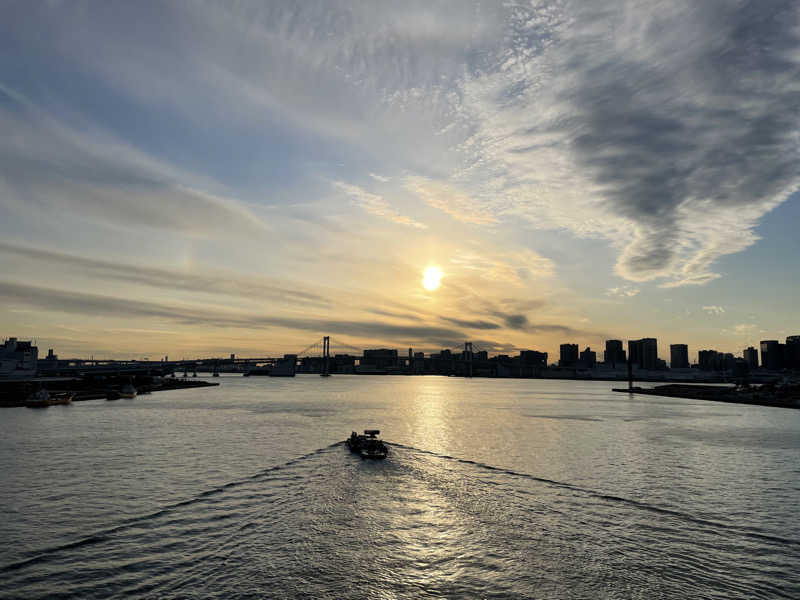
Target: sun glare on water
[(431, 278)]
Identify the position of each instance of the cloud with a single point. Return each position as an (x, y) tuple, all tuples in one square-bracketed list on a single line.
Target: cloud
[(451, 201), (467, 324), (52, 170), (518, 268), (205, 282), (376, 205), (667, 129), (94, 305), (676, 121), (624, 291), (714, 310)]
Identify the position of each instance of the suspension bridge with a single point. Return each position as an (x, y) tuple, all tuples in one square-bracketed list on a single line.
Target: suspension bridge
[(325, 356)]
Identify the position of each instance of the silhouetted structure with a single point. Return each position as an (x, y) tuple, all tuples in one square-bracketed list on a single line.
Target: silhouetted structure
[(771, 355), (644, 353), (706, 359), (568, 355), (588, 358), (711, 360), (614, 355), (18, 359), (679, 356), (533, 358), (792, 352), (750, 355), (381, 358)]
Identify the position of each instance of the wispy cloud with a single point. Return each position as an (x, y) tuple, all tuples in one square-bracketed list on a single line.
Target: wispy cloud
[(519, 268), (203, 281), (624, 291), (714, 310), (376, 205), (95, 305), (52, 170), (668, 129), (449, 200)]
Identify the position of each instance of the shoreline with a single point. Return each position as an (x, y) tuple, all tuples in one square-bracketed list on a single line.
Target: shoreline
[(17, 398), (773, 397)]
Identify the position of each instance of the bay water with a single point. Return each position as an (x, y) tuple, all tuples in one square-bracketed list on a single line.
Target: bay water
[(492, 489)]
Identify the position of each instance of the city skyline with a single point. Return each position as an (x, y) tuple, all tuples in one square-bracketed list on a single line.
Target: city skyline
[(643, 353), (194, 180)]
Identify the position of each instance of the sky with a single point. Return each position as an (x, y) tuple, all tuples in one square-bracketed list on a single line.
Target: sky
[(203, 178)]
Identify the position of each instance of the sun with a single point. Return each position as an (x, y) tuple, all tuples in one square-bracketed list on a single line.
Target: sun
[(431, 278)]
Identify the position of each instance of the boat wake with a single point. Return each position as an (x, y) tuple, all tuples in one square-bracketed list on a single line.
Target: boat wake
[(749, 532), (36, 556)]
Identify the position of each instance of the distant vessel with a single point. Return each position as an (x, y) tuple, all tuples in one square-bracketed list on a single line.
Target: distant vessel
[(43, 399), (127, 391), (367, 445), (258, 371)]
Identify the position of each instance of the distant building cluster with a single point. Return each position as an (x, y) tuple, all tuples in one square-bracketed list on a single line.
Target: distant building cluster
[(19, 360), (642, 353)]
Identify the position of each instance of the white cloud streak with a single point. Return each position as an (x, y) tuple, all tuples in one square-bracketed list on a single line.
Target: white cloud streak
[(376, 205)]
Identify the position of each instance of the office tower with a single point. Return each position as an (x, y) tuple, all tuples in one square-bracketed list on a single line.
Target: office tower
[(679, 356), (771, 355), (644, 353), (750, 355), (588, 358), (614, 355), (569, 355)]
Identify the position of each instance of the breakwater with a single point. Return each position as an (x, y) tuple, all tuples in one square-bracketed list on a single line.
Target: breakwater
[(767, 395), (15, 393)]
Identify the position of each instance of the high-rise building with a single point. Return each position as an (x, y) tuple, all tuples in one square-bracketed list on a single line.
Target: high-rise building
[(380, 358), (588, 358), (533, 357), (644, 353), (750, 355), (614, 355), (792, 352), (679, 356), (707, 360), (568, 355), (771, 355)]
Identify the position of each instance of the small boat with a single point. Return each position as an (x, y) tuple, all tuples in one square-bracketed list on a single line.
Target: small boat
[(43, 399), (367, 445), (61, 398), (127, 391)]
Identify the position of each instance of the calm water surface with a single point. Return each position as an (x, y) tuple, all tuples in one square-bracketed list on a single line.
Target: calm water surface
[(493, 489)]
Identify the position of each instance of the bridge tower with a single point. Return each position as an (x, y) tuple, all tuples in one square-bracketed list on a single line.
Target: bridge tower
[(468, 357), (326, 356)]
